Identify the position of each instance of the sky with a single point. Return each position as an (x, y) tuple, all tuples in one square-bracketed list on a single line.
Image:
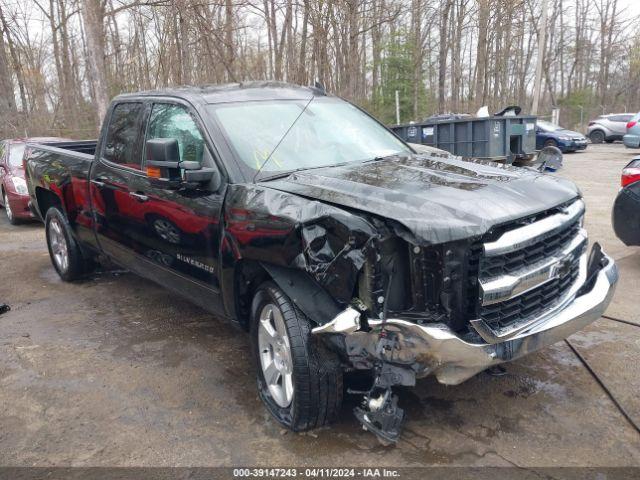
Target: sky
[(632, 5)]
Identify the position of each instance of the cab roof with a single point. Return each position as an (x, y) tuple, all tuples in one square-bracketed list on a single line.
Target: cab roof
[(233, 92)]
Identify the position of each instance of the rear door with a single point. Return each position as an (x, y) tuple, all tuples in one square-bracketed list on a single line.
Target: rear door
[(619, 123), (115, 174)]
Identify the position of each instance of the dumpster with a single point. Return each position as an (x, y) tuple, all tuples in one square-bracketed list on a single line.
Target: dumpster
[(498, 138)]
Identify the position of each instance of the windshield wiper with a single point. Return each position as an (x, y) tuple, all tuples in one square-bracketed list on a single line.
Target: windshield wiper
[(276, 176), (377, 159), (383, 157), (289, 172)]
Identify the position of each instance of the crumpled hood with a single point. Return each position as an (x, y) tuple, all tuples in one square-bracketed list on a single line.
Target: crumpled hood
[(438, 198)]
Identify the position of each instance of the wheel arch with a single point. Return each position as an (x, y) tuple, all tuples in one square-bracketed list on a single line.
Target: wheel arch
[(45, 199), (303, 290)]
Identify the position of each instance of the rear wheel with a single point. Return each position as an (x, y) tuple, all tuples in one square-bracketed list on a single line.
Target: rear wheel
[(299, 380), (64, 251), (7, 210), (597, 136)]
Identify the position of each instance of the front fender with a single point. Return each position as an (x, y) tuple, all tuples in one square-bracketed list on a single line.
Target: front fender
[(305, 292), (313, 250)]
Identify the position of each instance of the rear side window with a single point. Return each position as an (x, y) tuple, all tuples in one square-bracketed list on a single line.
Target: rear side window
[(174, 121), (621, 118), (123, 142)]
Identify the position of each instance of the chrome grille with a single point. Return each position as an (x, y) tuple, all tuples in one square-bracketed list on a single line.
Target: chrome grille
[(530, 268), (513, 261), (531, 303)]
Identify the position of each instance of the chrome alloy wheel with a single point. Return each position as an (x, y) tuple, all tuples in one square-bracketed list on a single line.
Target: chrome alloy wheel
[(7, 208), (275, 355), (58, 242)]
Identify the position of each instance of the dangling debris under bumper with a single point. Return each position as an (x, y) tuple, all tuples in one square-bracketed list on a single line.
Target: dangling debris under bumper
[(401, 350)]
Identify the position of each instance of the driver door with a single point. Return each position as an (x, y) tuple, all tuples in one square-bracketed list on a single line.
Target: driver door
[(182, 237)]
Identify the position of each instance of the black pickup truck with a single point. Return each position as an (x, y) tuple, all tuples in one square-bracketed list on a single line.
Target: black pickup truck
[(306, 222)]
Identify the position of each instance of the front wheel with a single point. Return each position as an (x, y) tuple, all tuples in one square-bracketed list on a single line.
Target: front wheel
[(299, 379), (550, 143), (64, 251)]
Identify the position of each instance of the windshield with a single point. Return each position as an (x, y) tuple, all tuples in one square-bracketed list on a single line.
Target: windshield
[(16, 151), (548, 126), (272, 137)]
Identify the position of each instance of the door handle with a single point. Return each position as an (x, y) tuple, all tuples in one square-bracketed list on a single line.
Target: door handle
[(139, 196), (98, 183)]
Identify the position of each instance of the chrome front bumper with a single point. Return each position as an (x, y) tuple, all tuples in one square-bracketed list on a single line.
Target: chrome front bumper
[(436, 349)]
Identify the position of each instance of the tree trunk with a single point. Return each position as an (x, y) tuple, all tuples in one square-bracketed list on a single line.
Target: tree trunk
[(416, 33), (443, 50), (7, 99), (93, 21), (17, 68), (228, 33), (301, 77)]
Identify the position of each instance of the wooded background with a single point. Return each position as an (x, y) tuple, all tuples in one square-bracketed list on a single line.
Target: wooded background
[(62, 60)]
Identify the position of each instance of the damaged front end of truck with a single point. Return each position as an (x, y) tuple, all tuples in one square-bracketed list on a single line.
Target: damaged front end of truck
[(405, 291)]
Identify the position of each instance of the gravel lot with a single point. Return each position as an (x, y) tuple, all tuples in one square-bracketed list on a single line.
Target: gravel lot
[(114, 371)]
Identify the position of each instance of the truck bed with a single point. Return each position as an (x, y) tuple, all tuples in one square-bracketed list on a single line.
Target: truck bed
[(57, 174), (84, 147)]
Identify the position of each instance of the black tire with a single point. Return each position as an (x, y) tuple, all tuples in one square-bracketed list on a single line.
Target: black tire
[(317, 372), (7, 210), (550, 143), (76, 265), (597, 136)]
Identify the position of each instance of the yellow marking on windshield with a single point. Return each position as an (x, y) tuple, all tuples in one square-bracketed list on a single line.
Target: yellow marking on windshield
[(261, 156)]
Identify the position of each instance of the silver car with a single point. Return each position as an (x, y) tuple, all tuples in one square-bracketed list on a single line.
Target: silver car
[(608, 128)]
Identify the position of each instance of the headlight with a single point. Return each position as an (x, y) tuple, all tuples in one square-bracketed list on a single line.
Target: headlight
[(20, 185), (562, 137)]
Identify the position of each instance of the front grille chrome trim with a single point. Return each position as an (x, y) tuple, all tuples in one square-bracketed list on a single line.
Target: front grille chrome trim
[(496, 335), (521, 237), (506, 287)]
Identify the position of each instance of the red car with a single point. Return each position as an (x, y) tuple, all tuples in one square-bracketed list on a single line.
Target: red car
[(14, 196)]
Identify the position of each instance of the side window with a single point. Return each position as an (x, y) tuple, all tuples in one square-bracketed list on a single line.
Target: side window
[(123, 145), (174, 121), (620, 118)]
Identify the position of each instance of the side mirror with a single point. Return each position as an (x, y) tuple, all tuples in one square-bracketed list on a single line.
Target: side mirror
[(195, 173), (549, 158), (163, 153), (163, 162), (202, 175)]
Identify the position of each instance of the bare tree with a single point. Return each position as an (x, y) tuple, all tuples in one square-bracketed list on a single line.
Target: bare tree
[(440, 54)]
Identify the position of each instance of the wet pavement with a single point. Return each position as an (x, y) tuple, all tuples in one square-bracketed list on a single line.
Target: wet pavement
[(115, 371)]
